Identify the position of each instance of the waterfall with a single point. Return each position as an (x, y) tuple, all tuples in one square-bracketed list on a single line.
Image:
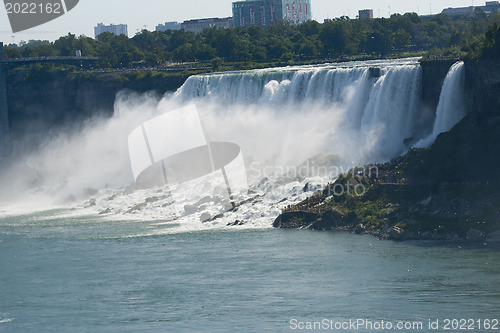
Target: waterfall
[(451, 107), (353, 114), (363, 112)]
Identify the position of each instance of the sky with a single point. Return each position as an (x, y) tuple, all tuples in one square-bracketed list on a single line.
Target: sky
[(148, 13)]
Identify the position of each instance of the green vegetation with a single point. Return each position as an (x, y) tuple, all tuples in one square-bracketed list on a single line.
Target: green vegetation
[(491, 45), (481, 45), (280, 43)]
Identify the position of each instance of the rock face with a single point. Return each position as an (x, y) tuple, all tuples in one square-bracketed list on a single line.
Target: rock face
[(295, 220), (306, 220), (433, 75), (38, 101), (397, 234), (482, 83)]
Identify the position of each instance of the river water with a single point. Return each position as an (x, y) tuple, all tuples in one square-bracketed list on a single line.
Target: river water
[(84, 274)]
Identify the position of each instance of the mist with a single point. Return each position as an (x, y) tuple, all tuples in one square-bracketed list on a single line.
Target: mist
[(279, 118)]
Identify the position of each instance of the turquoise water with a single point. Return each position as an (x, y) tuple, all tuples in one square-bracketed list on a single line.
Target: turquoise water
[(90, 275)]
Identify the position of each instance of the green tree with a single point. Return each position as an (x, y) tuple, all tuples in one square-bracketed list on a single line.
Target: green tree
[(378, 43), (334, 36), (401, 39), (491, 46), (217, 63), (11, 52)]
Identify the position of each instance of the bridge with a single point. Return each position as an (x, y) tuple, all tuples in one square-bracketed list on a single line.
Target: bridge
[(5, 144), (63, 60)]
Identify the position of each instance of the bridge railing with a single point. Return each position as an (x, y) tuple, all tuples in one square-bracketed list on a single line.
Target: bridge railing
[(46, 59)]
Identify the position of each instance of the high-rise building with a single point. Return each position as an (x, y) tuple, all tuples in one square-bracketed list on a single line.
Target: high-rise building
[(117, 29), (168, 26), (366, 14), (198, 25), (264, 12)]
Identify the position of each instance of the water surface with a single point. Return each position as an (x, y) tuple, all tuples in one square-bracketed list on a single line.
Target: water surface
[(86, 274)]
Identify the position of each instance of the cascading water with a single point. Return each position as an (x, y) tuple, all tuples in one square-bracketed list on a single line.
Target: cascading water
[(451, 108), (364, 111), (340, 115)]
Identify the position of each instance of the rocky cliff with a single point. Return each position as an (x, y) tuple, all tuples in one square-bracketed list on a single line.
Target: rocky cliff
[(433, 74), (482, 80), (39, 101)]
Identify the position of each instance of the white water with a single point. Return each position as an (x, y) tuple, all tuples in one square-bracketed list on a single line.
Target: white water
[(451, 108), (335, 109), (279, 117)]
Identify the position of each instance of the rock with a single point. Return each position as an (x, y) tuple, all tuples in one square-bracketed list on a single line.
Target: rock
[(205, 217), (153, 199), (311, 188), (204, 200), (217, 200), (251, 200), (329, 220), (263, 182), (90, 203), (106, 211), (228, 206), (408, 222), (474, 235), (235, 223), (190, 209), (295, 220), (397, 234), (359, 229), (136, 207), (218, 216), (375, 71), (113, 197)]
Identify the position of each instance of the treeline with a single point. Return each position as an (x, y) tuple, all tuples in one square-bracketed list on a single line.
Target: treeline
[(491, 45), (338, 38)]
